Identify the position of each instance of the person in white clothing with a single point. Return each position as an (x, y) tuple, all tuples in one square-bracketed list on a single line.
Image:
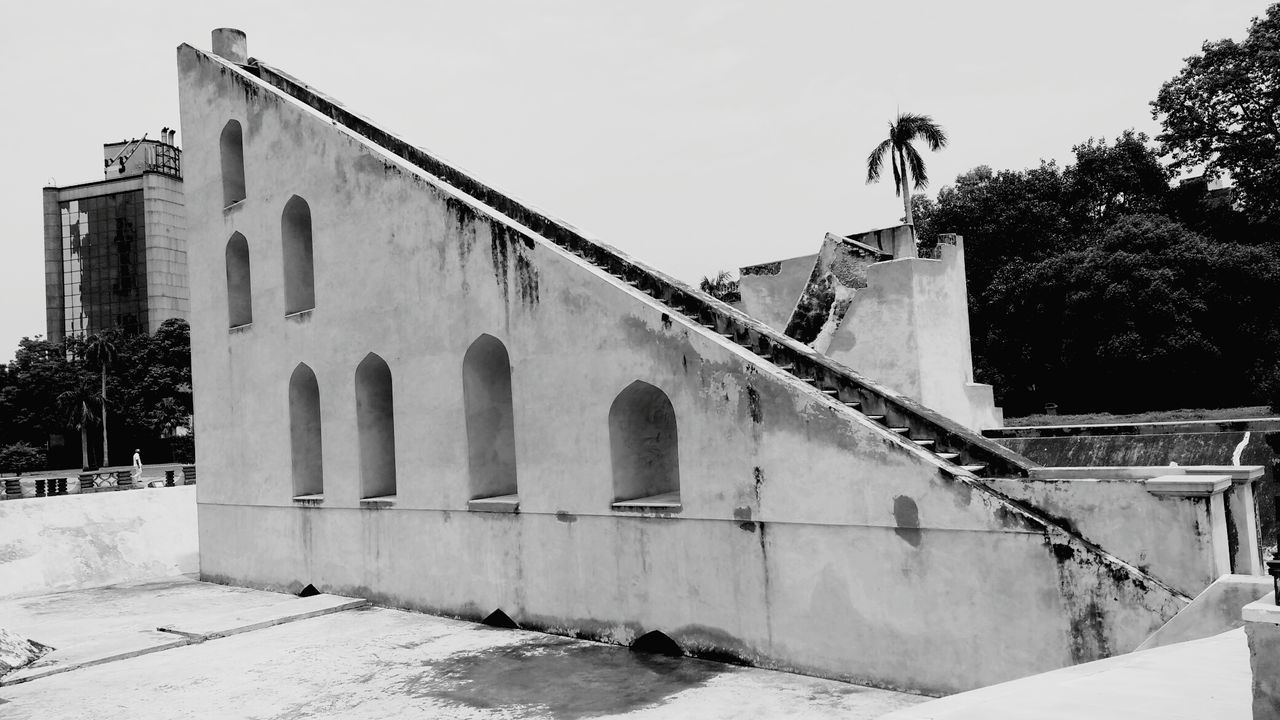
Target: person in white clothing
[(137, 466)]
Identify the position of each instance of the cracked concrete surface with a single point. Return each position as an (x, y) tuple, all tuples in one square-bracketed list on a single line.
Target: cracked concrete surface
[(376, 663)]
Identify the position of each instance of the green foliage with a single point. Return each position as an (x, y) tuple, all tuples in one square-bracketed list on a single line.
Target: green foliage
[(721, 287), (51, 388), (1003, 216), (1221, 113), (1130, 321), (20, 457), (29, 389), (1083, 293), (1109, 181), (1271, 389)]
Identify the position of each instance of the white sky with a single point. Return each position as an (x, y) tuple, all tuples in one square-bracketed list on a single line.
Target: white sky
[(695, 135)]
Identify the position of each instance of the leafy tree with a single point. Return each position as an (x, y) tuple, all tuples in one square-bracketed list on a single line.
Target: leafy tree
[(1143, 317), (908, 167), (1109, 181), (49, 388), (21, 457), (1003, 216), (33, 380), (1221, 113), (152, 384)]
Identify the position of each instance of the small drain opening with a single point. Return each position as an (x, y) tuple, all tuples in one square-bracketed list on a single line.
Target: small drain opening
[(308, 591), (657, 643), (499, 619)]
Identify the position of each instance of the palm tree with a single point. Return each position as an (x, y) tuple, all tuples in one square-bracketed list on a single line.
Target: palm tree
[(75, 404), (100, 350), (721, 287), (907, 163)]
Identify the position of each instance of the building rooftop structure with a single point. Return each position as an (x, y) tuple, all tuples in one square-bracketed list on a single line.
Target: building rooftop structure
[(115, 249), (416, 389)]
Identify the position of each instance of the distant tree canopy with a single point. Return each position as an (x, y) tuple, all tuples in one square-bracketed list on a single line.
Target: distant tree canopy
[(50, 389), (1090, 288), (1221, 111)]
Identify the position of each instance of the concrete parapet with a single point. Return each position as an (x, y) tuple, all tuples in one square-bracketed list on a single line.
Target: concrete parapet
[(1174, 526), (1201, 486), (78, 541), (1262, 627)]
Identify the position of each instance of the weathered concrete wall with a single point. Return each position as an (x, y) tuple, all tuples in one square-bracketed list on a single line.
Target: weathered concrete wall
[(1214, 611), (1199, 443), (1170, 537), (770, 290), (870, 560), (909, 329), (1262, 627), (79, 541), (838, 273)]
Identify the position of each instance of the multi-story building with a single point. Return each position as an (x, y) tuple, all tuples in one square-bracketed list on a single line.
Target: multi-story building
[(115, 250)]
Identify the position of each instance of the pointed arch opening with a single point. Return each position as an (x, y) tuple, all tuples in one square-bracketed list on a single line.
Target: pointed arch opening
[(304, 432), (299, 261), (491, 438), (231, 146), (375, 428), (239, 285), (644, 449)]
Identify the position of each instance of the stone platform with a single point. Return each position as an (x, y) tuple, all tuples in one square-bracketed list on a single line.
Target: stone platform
[(238, 653)]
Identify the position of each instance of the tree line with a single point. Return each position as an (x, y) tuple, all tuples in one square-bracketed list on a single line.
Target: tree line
[(90, 402), (1106, 284)]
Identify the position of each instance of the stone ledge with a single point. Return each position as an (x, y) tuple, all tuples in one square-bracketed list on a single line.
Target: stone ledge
[(1188, 485), (664, 503), (497, 504), (1240, 474), (1263, 610), (1113, 472), (379, 501), (316, 499)]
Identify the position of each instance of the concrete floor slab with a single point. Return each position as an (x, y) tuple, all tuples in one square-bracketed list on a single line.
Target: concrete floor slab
[(379, 663), (1208, 678), (97, 625), (236, 621)]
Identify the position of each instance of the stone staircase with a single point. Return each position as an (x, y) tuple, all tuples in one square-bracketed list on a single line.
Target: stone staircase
[(963, 451)]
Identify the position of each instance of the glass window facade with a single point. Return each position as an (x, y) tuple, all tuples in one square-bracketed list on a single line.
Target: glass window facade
[(104, 264)]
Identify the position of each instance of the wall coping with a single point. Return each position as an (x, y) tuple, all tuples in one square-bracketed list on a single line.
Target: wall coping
[(1105, 472), (1188, 485), (1240, 474), (1168, 427), (1262, 610)]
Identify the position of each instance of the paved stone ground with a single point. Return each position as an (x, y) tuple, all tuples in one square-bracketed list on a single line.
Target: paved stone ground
[(377, 663)]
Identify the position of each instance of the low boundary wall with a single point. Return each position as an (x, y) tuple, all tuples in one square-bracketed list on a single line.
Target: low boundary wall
[(78, 541)]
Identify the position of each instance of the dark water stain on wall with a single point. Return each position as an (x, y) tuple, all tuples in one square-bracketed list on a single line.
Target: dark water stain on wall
[(498, 253), (526, 279), (753, 404), (907, 518), (565, 680)]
